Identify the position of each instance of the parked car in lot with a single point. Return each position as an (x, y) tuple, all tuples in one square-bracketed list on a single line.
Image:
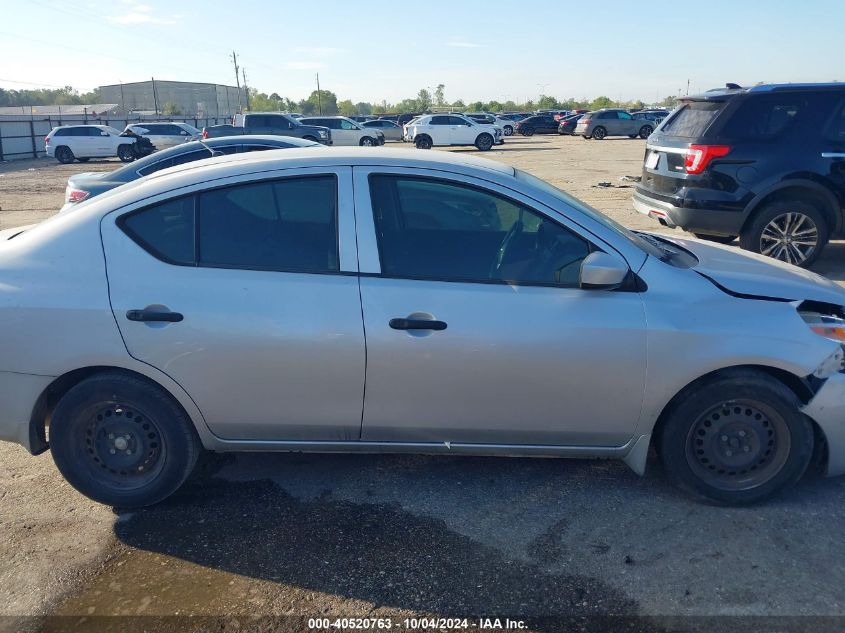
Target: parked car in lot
[(87, 185), (655, 116), (67, 143), (391, 130), (165, 134), (766, 164), (567, 125), (346, 131), (272, 123), (243, 304), (537, 124), (488, 118), (451, 129), (606, 122)]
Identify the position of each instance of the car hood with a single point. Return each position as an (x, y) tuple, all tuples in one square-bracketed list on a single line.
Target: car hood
[(744, 273)]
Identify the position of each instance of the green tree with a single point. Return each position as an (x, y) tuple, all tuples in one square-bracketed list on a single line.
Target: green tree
[(364, 108), (347, 108), (668, 102), (423, 100), (440, 95), (601, 102), (547, 103), (325, 100), (475, 106), (459, 105), (494, 106)]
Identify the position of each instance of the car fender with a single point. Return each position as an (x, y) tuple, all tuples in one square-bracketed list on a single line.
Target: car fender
[(805, 181)]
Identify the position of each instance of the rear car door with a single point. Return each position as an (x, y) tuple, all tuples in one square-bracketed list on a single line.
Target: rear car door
[(833, 148), (516, 353), (258, 279), (440, 129)]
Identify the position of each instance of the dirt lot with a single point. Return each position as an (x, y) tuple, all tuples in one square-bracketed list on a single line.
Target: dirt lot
[(282, 535)]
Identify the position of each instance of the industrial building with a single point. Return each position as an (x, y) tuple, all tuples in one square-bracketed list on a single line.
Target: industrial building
[(190, 98)]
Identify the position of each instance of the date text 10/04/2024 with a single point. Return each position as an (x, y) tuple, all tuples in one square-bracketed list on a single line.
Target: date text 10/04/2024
[(417, 624)]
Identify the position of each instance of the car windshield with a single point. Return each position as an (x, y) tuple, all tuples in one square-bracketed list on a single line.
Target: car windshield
[(191, 129), (662, 252), (111, 130)]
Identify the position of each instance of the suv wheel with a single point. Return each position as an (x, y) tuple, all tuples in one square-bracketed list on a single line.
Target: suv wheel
[(508, 130), (645, 131), (125, 153), (484, 142), (737, 438), (64, 155), (791, 231), (529, 131), (422, 142), (122, 441), (367, 141), (599, 133)]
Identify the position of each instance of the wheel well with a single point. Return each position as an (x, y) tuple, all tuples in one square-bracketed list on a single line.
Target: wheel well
[(802, 390), (799, 193), (39, 422)]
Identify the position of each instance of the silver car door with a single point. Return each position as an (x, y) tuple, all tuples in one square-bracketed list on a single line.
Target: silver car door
[(259, 314), (511, 357)]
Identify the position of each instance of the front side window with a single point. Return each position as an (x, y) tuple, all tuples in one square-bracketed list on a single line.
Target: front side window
[(288, 224), (624, 116), (346, 125), (437, 229), (835, 130)]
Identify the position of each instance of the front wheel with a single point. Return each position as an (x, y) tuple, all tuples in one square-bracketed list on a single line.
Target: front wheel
[(367, 141), (791, 231), (125, 153), (736, 438), (484, 142), (122, 441), (599, 133), (645, 131)]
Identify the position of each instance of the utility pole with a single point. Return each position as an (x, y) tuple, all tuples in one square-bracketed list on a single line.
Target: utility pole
[(319, 96), (687, 87), (237, 78), (155, 96), (246, 90), (542, 90)]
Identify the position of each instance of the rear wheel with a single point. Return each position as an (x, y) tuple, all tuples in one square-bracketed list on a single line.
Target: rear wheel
[(422, 142), (367, 141), (791, 231), (529, 131), (736, 438), (64, 155), (125, 153), (719, 239), (645, 131), (122, 441), (484, 142), (599, 133)]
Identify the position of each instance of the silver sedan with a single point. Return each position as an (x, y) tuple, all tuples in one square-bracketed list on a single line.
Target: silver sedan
[(391, 131), (404, 301)]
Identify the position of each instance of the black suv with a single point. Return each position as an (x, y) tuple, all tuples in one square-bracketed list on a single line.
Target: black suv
[(766, 164)]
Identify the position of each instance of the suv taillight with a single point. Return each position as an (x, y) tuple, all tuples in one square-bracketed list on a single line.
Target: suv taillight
[(699, 156)]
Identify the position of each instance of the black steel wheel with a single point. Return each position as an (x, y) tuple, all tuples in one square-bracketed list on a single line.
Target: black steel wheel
[(64, 155), (121, 440), (737, 438)]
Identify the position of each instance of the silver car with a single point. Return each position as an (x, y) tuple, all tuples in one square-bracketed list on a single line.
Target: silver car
[(612, 122), (404, 301), (391, 130)]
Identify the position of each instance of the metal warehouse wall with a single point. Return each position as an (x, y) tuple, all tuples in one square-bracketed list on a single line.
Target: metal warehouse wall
[(192, 99), (23, 136)]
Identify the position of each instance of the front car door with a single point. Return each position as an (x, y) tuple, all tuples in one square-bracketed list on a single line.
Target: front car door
[(627, 124), (462, 131), (516, 352), (262, 270), (833, 145)]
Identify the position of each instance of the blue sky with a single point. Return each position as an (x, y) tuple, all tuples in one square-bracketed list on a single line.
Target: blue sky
[(375, 50)]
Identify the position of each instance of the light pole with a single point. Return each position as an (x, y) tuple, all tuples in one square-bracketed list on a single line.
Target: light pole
[(542, 90)]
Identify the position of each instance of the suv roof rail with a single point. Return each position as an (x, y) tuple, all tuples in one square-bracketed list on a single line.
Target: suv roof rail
[(796, 86)]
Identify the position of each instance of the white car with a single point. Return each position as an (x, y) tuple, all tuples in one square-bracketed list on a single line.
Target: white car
[(432, 130), (67, 143), (165, 135), (242, 303), (492, 119), (346, 131)]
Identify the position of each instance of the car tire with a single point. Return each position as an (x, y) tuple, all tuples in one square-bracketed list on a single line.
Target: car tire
[(423, 142), (508, 130), (122, 441), (84, 160), (718, 239), (64, 155), (645, 131), (801, 220), (736, 438), (484, 142), (368, 141), (125, 153), (632, 136), (529, 131), (599, 133)]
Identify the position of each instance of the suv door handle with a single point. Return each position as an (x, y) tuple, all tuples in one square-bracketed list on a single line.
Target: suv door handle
[(154, 316), (417, 324), (833, 154)]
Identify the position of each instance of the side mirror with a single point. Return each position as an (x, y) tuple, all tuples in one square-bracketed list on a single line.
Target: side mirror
[(602, 271)]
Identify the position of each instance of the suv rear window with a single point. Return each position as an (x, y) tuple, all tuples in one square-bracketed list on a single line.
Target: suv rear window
[(692, 119), (764, 117)]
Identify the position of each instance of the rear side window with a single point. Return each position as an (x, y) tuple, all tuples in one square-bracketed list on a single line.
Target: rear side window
[(166, 230), (439, 120), (692, 119), (288, 224), (62, 132), (765, 117), (836, 128)]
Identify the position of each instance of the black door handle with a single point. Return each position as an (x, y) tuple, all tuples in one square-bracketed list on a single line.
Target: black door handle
[(153, 315), (417, 324)]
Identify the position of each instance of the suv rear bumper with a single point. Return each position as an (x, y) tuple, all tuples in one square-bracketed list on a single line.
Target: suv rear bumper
[(695, 220)]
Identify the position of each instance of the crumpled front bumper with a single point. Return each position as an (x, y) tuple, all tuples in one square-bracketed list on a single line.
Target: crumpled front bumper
[(827, 409)]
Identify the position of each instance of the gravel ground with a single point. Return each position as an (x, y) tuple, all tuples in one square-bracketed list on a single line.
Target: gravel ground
[(401, 536)]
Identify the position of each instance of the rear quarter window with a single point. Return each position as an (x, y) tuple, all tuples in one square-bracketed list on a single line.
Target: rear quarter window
[(692, 119), (765, 117)]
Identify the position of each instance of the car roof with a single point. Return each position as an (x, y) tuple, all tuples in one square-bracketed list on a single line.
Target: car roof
[(730, 90)]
